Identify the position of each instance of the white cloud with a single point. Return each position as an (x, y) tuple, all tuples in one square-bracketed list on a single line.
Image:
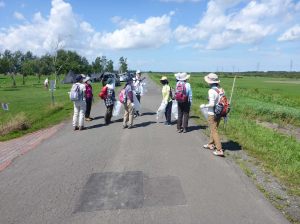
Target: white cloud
[(2, 4), (43, 34), (153, 33), (229, 22), (292, 34), (19, 16)]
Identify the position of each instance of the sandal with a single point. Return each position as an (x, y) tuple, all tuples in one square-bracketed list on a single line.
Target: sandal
[(208, 146), (218, 152)]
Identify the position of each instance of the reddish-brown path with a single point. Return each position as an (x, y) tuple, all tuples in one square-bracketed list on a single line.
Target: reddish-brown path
[(11, 149)]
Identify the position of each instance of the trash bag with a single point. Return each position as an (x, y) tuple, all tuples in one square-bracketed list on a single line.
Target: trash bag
[(204, 112), (117, 109), (175, 109), (137, 105), (144, 88), (161, 110)]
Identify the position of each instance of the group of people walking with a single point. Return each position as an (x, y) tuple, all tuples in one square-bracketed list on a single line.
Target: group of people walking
[(131, 95)]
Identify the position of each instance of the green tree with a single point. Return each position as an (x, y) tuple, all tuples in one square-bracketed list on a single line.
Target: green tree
[(110, 66), (123, 65), (97, 65), (29, 67)]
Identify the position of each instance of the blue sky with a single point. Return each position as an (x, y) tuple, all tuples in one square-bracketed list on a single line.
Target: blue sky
[(160, 35)]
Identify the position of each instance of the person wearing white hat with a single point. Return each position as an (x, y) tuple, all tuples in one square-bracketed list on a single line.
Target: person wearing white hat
[(88, 97), (213, 94), (183, 96), (137, 84)]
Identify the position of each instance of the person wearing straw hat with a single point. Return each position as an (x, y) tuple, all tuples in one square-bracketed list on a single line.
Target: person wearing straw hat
[(79, 106), (213, 94), (88, 97), (167, 99), (183, 96)]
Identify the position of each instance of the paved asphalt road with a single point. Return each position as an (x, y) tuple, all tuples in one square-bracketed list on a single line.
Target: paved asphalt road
[(149, 174)]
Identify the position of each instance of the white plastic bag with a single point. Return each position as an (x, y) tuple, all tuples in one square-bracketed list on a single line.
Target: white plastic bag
[(175, 109), (204, 111), (143, 88), (137, 105), (161, 110), (117, 109)]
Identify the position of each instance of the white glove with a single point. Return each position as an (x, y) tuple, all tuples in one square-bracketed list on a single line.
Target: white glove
[(202, 106)]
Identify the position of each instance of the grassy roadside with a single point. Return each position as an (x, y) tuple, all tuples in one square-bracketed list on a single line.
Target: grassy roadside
[(30, 106), (278, 153)]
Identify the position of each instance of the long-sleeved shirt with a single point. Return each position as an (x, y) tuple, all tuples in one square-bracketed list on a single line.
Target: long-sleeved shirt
[(129, 93), (166, 94), (213, 98)]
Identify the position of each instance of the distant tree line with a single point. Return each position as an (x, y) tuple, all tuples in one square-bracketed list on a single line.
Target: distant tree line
[(63, 61)]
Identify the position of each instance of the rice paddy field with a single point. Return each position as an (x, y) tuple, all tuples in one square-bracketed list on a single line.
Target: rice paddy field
[(256, 100)]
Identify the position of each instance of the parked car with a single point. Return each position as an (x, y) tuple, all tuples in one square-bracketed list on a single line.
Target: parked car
[(125, 76)]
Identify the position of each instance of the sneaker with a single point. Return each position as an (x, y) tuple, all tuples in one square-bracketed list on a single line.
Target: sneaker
[(218, 152), (179, 130), (130, 126), (184, 131), (208, 146), (76, 128), (88, 119), (125, 126)]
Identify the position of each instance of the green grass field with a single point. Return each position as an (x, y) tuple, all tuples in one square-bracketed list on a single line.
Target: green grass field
[(30, 106), (274, 100)]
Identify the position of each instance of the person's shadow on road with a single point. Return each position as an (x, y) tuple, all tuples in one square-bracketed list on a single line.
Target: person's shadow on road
[(144, 124)]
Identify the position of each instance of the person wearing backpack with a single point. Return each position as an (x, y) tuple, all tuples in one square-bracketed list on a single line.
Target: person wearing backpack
[(77, 95), (109, 100), (88, 98), (128, 104), (183, 96), (213, 120), (167, 98)]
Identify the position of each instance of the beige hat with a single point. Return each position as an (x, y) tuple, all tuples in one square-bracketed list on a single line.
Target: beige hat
[(181, 76), (211, 78), (164, 78)]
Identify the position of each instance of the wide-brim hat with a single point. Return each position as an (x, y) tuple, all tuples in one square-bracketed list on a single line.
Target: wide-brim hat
[(164, 78), (138, 72), (212, 78), (86, 79), (182, 76)]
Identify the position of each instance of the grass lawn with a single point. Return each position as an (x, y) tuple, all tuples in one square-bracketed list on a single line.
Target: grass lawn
[(265, 99), (30, 106)]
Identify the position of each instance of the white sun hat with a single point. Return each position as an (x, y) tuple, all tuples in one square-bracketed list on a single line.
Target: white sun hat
[(211, 78), (181, 76)]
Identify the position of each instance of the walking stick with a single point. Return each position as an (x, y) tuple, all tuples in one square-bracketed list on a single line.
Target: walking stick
[(226, 118)]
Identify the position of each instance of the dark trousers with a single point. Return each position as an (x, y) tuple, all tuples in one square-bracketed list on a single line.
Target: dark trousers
[(183, 115), (168, 112), (138, 96), (108, 114), (88, 107)]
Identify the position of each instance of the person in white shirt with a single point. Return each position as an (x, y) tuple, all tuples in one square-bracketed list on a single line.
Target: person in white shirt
[(213, 121), (138, 86), (79, 106)]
